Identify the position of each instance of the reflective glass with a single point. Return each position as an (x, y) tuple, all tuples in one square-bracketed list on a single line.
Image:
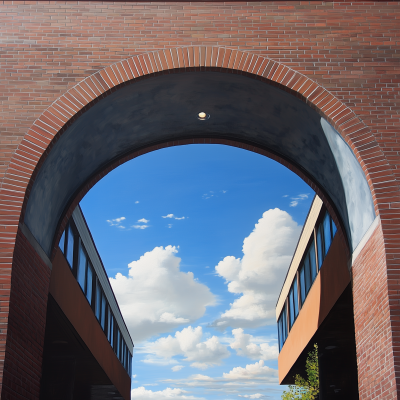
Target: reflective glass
[(103, 311), (89, 283), (302, 284), (284, 325), (327, 232), (62, 242), (98, 300), (334, 229), (70, 247), (307, 273), (295, 299), (118, 342), (320, 246), (81, 271), (280, 334), (291, 308), (312, 261)]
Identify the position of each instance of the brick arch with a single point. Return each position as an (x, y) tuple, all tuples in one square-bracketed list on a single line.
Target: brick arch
[(46, 130)]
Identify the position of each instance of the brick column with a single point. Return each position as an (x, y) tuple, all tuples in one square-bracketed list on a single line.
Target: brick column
[(374, 340), (30, 280)]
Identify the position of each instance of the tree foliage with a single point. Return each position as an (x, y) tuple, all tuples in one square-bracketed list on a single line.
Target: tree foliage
[(306, 389)]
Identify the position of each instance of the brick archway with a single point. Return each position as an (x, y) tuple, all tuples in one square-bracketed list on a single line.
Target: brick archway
[(49, 127)]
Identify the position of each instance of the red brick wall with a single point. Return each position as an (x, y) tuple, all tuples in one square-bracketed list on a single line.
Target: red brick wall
[(30, 281), (372, 322), (349, 49)]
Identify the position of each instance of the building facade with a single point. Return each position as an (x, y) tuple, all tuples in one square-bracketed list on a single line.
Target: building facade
[(315, 306), (87, 347), (87, 86)]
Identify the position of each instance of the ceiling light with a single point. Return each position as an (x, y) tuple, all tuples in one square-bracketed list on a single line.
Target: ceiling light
[(202, 116)]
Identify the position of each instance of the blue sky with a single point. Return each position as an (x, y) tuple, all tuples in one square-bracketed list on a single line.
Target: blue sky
[(197, 240)]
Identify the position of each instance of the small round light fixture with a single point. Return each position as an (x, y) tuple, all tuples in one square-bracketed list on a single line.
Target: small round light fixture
[(202, 116)]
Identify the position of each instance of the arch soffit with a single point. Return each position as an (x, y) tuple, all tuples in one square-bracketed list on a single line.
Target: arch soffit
[(38, 140)]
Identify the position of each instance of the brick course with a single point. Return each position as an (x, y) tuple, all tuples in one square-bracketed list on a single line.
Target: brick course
[(341, 58)]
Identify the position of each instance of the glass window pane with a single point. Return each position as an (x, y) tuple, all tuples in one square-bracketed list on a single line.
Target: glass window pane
[(295, 299), (334, 229), (70, 247), (284, 324), (291, 308), (103, 311), (81, 271), (327, 232), (118, 342), (98, 300), (302, 284), (279, 334), (313, 266), (62, 242), (320, 246), (111, 329), (89, 283), (307, 273)]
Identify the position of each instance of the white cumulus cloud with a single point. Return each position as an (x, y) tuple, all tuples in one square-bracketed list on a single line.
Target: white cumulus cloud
[(252, 371), (246, 345), (177, 368), (258, 276), (144, 220), (189, 343), (156, 296), (141, 393)]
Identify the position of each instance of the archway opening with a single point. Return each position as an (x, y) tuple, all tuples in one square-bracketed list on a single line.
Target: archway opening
[(164, 111)]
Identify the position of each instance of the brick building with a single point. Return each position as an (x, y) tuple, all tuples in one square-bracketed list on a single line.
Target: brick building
[(86, 86)]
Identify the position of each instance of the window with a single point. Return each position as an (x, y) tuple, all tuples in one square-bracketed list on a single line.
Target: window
[(110, 330), (61, 244), (313, 266), (282, 328), (70, 247), (89, 282), (81, 271), (320, 246), (97, 310), (293, 303), (327, 233), (118, 346), (103, 311), (303, 292)]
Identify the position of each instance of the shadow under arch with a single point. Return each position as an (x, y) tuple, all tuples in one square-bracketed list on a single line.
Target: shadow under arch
[(113, 116)]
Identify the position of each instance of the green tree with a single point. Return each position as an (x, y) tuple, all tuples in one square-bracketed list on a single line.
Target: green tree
[(306, 389)]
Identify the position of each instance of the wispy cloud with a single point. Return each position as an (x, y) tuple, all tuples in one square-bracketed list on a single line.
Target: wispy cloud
[(172, 216), (116, 222), (137, 202), (168, 216), (295, 200), (169, 225), (144, 220), (140, 226), (177, 368)]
